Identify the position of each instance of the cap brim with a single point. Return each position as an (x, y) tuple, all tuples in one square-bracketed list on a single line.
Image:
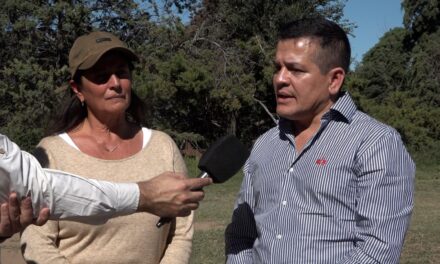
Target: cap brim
[(94, 58)]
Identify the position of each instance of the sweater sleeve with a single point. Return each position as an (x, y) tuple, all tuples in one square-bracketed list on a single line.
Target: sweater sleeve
[(181, 230)]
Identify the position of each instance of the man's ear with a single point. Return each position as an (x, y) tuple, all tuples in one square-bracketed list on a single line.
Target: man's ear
[(75, 88), (336, 79)]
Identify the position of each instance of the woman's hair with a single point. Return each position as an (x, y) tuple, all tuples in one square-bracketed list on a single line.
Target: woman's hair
[(74, 112)]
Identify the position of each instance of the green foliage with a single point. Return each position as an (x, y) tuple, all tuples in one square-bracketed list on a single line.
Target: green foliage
[(238, 38), (211, 75), (425, 70), (384, 67), (421, 17), (200, 80), (398, 80), (36, 37), (27, 99)]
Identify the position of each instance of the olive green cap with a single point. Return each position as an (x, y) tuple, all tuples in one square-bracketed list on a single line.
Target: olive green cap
[(89, 48)]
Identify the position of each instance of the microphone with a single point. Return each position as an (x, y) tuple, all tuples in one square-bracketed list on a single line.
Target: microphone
[(221, 161)]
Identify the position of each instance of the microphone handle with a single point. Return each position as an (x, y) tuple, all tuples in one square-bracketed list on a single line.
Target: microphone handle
[(165, 220)]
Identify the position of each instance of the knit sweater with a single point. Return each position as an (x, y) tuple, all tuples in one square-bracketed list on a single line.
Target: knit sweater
[(125, 239)]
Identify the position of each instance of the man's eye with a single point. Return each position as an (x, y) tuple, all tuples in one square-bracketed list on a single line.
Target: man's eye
[(296, 71)]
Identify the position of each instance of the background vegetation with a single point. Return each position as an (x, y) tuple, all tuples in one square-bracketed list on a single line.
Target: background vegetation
[(207, 65)]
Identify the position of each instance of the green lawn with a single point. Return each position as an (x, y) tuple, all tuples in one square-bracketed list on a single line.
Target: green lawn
[(422, 244)]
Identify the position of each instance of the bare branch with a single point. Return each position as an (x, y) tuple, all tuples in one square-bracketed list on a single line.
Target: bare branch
[(267, 110)]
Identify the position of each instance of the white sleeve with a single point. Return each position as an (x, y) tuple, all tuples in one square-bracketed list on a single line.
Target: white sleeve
[(66, 195)]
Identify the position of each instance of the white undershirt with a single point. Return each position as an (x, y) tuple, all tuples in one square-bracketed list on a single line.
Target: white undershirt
[(146, 135)]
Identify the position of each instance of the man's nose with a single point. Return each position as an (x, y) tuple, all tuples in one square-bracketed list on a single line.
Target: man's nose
[(280, 77)]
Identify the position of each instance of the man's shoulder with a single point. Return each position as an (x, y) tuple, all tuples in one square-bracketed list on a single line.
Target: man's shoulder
[(270, 134), (266, 139), (369, 124)]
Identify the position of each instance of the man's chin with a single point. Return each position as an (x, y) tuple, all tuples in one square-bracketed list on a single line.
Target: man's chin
[(288, 114)]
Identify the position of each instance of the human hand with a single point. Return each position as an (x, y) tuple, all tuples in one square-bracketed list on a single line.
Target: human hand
[(171, 194), (15, 216)]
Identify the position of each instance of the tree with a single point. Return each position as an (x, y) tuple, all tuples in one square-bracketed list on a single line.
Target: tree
[(398, 79), (36, 37), (421, 17), (384, 68), (425, 69), (235, 40), (202, 74)]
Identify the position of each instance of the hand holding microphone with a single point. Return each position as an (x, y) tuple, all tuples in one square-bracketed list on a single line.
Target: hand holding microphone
[(220, 162), (171, 194)]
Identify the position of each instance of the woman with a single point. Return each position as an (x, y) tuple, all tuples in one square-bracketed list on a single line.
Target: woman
[(100, 133)]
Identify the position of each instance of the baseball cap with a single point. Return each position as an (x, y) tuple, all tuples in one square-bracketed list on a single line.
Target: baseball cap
[(89, 48)]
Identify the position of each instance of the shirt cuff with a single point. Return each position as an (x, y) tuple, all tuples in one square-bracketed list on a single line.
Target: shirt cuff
[(128, 198)]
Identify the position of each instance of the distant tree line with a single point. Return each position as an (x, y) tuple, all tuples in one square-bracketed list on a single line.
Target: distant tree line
[(398, 80), (206, 67)]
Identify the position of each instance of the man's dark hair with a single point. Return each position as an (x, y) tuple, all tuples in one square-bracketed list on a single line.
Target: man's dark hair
[(335, 48)]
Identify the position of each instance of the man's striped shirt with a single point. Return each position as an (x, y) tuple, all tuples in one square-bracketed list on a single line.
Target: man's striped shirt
[(346, 197)]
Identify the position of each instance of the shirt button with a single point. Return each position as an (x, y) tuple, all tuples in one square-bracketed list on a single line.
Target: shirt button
[(279, 236), (284, 202), (2, 151), (291, 169)]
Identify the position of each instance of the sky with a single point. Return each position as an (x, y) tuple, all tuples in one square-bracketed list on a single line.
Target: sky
[(373, 18)]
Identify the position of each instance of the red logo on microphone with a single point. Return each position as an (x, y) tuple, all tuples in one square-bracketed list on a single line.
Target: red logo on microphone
[(321, 162)]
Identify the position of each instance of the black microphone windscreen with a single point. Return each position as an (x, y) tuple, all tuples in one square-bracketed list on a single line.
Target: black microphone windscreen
[(223, 158)]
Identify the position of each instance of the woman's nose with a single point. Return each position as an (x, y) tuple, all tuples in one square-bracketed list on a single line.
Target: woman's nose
[(114, 81)]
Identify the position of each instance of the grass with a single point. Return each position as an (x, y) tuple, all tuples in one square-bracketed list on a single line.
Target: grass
[(212, 217), (422, 243)]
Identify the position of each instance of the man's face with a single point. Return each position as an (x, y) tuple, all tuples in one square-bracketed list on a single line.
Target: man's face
[(301, 89)]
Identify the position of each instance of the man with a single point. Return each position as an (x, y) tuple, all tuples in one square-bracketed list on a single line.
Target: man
[(25, 186), (328, 184)]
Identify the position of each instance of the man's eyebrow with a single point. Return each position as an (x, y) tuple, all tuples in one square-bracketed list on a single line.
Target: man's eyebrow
[(287, 63), (293, 64)]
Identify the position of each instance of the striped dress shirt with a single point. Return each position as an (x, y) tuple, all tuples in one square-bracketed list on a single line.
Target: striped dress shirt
[(347, 197)]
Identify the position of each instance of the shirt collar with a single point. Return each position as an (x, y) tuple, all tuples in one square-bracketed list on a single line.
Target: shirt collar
[(344, 107), (343, 110)]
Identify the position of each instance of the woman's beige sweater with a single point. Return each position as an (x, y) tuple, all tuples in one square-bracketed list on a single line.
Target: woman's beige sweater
[(126, 239)]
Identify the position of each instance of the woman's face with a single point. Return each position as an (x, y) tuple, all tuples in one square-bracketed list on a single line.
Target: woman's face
[(106, 87)]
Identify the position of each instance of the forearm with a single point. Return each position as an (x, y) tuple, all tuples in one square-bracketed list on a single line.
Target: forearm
[(384, 202), (66, 195), (380, 240), (75, 197)]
